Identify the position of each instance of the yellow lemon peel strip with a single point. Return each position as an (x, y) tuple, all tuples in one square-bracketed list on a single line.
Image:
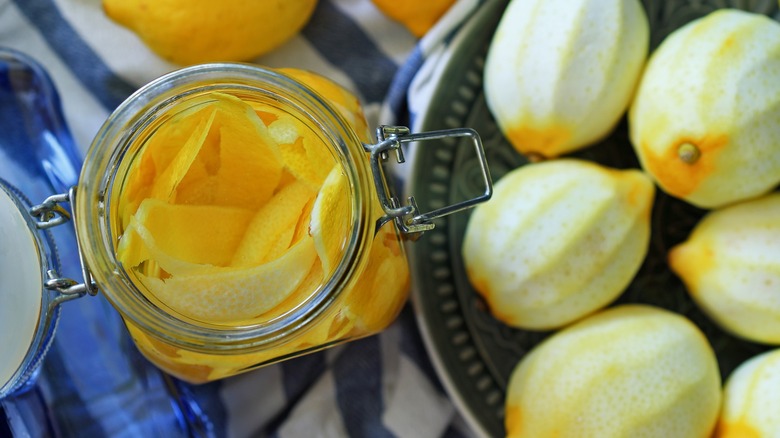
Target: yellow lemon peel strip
[(166, 182), (160, 151), (205, 234), (236, 294), (303, 153), (330, 217), (272, 228)]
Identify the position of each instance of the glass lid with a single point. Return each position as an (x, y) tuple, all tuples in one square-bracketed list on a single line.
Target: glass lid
[(21, 279)]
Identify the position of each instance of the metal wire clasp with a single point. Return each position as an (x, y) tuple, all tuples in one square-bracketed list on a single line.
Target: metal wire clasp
[(50, 213), (408, 217)]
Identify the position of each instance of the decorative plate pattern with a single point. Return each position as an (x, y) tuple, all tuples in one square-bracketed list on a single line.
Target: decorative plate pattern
[(475, 354)]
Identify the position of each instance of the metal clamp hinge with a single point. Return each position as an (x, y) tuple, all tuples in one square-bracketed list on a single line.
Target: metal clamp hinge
[(408, 217), (51, 213)]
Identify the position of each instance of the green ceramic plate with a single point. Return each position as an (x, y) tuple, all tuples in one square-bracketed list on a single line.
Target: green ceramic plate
[(473, 353)]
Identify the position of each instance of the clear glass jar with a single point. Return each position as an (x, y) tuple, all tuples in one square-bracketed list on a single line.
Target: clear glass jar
[(360, 296), (353, 230)]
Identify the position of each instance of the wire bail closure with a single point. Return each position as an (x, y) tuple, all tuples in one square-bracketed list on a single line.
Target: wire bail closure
[(48, 214), (408, 217)]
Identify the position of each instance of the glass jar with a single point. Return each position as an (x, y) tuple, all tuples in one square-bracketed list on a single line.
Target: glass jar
[(363, 277)]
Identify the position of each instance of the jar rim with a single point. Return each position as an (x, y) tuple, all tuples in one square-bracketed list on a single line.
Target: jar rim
[(97, 180)]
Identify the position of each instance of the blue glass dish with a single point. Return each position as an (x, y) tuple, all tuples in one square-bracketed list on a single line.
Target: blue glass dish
[(37, 159), (92, 379)]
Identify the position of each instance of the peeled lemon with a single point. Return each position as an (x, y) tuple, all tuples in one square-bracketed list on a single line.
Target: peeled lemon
[(629, 371), (328, 225), (705, 122), (559, 239), (730, 265), (196, 31), (751, 401), (559, 74)]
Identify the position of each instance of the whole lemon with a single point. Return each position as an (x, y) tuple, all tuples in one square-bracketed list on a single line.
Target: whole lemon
[(629, 371), (705, 121), (730, 265), (751, 400), (196, 31), (559, 74), (559, 239), (344, 101), (417, 16)]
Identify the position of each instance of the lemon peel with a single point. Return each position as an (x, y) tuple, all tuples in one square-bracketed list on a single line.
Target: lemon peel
[(329, 224), (559, 240), (177, 140), (730, 266), (750, 399), (703, 122), (230, 294)]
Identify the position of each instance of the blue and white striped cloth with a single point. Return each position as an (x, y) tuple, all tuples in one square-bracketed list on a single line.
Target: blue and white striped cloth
[(95, 384)]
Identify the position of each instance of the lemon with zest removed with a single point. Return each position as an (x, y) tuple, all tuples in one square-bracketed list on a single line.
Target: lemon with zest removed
[(241, 150), (560, 74), (304, 154), (628, 371), (751, 401), (232, 294), (204, 234), (559, 239), (198, 31), (138, 250), (730, 265), (169, 179), (330, 218), (167, 156), (704, 121)]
